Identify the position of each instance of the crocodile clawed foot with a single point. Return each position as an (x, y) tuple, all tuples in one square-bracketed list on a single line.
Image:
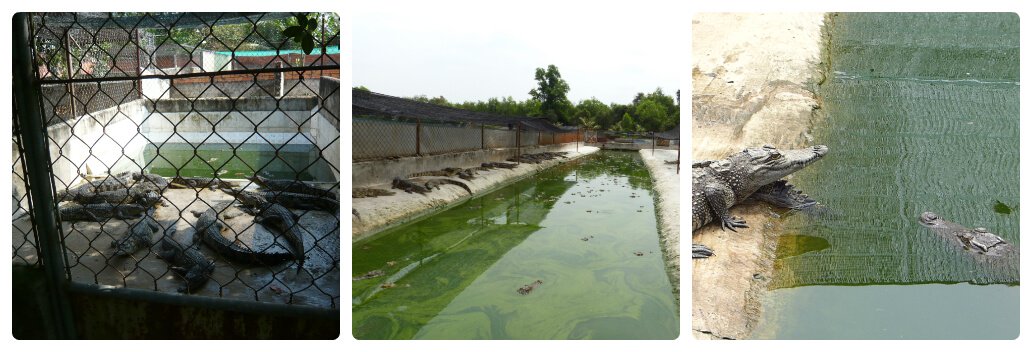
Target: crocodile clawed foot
[(701, 251), (731, 222)]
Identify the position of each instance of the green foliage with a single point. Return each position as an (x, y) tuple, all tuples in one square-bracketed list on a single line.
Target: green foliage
[(362, 88), (652, 116), (627, 124), (303, 32), (551, 92), (592, 113)]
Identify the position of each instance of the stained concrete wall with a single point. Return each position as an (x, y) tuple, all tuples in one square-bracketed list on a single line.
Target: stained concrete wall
[(380, 172)]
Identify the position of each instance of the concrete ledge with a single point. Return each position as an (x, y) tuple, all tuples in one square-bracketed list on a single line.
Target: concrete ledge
[(667, 183), (382, 213)]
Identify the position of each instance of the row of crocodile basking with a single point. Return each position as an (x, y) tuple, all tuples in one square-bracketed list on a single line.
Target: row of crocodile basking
[(421, 182), (135, 197), (756, 174)]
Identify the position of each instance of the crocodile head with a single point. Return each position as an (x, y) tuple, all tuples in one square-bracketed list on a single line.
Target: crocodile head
[(931, 219), (755, 167)]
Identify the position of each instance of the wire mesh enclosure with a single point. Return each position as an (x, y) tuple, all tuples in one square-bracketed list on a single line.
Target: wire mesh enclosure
[(190, 153)]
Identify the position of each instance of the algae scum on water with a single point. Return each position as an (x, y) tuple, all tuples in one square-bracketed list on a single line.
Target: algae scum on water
[(921, 114), (570, 253)]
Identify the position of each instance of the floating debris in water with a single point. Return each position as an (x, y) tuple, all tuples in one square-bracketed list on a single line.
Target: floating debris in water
[(639, 253), (388, 285), (1001, 208), (369, 275), (212, 160), (391, 263)]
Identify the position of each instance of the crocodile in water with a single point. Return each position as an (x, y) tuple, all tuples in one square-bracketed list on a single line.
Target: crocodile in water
[(977, 241), (526, 289), (717, 185)]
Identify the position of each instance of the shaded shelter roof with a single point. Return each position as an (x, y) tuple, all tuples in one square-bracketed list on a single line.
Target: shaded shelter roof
[(674, 133), (370, 103)]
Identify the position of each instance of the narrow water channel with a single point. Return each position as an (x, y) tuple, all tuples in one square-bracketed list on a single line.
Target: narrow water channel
[(921, 114), (586, 229)]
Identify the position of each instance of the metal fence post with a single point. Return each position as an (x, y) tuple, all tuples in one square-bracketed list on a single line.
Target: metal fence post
[(653, 143), (482, 144), (68, 69), (36, 161), (419, 132), (518, 140)]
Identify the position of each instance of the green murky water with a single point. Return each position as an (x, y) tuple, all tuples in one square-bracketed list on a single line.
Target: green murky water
[(577, 227), (239, 161), (921, 115)]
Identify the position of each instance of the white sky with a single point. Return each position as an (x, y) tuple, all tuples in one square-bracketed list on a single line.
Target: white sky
[(477, 51)]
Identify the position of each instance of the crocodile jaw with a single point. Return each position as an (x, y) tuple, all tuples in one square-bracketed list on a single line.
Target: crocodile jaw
[(768, 164)]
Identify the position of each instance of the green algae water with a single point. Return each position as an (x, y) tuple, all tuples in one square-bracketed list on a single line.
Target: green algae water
[(921, 114), (586, 229), (239, 161)]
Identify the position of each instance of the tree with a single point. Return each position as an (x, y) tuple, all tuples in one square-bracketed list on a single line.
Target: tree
[(652, 116), (592, 113), (627, 124), (551, 92), (362, 88)]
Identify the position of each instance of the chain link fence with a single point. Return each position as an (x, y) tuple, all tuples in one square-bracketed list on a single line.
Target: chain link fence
[(190, 153)]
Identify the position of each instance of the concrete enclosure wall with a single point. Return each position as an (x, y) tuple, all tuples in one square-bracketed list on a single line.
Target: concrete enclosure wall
[(380, 172), (113, 139)]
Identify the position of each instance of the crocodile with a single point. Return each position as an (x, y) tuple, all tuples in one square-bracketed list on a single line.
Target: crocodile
[(186, 261), (978, 241), (278, 217), (292, 186), (287, 199), (95, 186), (408, 186), (100, 212), (495, 165), (150, 182), (444, 173), (209, 229), (121, 196), (138, 237), (361, 192), (198, 182), (526, 289), (717, 185), (437, 182)]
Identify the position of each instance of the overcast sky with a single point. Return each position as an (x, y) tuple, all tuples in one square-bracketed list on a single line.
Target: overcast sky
[(480, 51)]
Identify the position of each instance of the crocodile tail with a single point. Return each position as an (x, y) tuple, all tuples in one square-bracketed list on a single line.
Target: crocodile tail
[(459, 183)]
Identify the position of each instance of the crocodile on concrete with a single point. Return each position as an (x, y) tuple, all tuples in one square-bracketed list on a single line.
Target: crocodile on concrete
[(408, 186), (209, 230), (717, 185), (100, 212), (287, 199), (292, 186), (437, 182), (138, 237), (276, 216), (977, 241), (186, 261), (199, 182)]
